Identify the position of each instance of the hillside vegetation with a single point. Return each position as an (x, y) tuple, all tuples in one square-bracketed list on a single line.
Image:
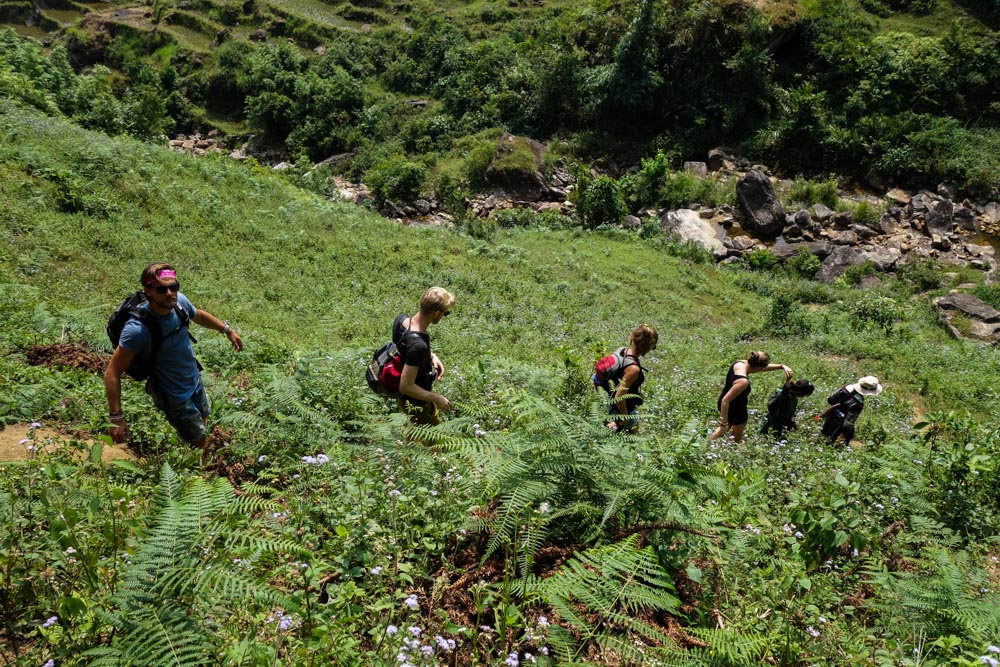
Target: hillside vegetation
[(900, 92), (521, 531)]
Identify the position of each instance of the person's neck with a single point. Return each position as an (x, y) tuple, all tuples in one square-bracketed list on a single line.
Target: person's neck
[(419, 323)]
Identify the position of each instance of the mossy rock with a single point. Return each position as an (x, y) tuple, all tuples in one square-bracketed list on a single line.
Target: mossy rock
[(517, 167)]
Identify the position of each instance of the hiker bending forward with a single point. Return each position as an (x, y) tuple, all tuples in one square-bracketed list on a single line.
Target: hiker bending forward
[(175, 381), (733, 412), (626, 396), (421, 367)]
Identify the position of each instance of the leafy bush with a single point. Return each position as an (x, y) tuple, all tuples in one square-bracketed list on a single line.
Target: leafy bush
[(804, 263), (759, 259), (855, 274), (599, 201), (785, 317), (988, 294), (874, 310), (923, 274), (396, 179), (866, 214), (807, 192)]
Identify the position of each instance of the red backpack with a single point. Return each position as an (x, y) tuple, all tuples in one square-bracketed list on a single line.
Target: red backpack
[(384, 370), (611, 367)]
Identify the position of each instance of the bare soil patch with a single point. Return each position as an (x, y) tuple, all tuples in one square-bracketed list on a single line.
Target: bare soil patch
[(13, 447), (68, 355)]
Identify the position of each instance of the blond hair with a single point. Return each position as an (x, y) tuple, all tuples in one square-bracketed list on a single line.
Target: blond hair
[(436, 298), (643, 339)]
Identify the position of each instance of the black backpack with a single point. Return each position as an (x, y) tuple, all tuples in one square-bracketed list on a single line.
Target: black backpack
[(141, 367)]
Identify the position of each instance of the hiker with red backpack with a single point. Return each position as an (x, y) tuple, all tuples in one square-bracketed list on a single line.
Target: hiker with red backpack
[(732, 403), (621, 375), (152, 342), (421, 367)]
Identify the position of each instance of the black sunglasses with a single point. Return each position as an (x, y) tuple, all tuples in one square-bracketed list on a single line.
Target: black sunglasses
[(445, 313), (162, 289)]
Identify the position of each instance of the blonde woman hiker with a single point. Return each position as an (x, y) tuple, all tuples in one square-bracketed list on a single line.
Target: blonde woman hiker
[(621, 375), (733, 400)]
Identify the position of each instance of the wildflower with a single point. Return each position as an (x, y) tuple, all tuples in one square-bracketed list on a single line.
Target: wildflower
[(993, 649), (543, 621), (544, 650), (309, 459), (821, 619), (480, 433), (377, 570), (24, 441), (412, 602), (32, 448), (512, 660), (414, 630), (395, 493), (285, 623), (812, 633), (50, 663), (391, 630), (70, 550), (987, 660), (261, 458), (445, 644), (35, 425), (530, 658), (427, 650), (798, 534), (50, 622), (303, 566), (544, 508), (486, 628), (322, 458), (475, 427)]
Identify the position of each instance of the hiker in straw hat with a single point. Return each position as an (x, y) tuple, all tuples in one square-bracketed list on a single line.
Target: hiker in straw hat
[(846, 405)]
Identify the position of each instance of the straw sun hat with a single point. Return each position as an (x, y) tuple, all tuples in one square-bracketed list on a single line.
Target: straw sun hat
[(868, 386)]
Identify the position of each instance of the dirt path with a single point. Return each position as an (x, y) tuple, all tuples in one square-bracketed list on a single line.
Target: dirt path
[(14, 448)]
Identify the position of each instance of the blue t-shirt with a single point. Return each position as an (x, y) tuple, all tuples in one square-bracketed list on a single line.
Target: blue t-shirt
[(176, 368)]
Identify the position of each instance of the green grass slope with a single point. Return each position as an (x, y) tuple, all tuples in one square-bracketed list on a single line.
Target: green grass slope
[(790, 552)]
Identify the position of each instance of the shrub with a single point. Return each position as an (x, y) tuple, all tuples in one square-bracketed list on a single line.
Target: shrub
[(804, 263), (600, 202), (872, 309), (988, 294), (786, 317), (866, 214), (396, 179), (854, 274), (923, 275), (807, 193), (759, 259)]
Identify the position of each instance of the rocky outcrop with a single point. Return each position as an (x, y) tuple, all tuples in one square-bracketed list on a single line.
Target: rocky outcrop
[(763, 214), (965, 316), (836, 264), (517, 167), (686, 225)]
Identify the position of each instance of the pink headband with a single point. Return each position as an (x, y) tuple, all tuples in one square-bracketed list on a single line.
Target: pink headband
[(166, 273)]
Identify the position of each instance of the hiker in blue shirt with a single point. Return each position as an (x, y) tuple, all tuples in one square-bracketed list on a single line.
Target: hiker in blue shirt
[(175, 382)]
